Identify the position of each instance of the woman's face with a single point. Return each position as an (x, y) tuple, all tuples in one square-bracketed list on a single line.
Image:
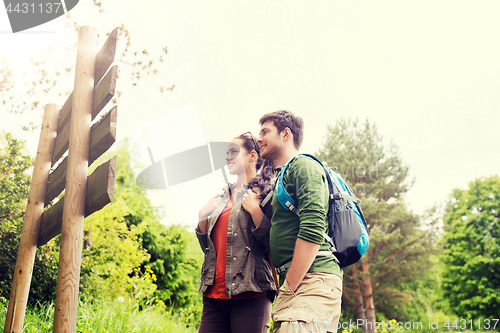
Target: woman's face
[(237, 157)]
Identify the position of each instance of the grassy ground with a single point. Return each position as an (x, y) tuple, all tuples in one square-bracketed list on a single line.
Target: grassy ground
[(105, 317)]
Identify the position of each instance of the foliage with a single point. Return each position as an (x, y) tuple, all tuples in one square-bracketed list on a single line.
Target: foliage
[(14, 180), (14, 188), (471, 256), (176, 260), (397, 263), (111, 266), (400, 263), (424, 297), (388, 326), (358, 153)]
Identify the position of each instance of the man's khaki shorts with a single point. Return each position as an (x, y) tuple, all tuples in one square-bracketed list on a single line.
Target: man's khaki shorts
[(313, 307)]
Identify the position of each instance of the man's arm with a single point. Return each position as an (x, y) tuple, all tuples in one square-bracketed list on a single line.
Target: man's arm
[(311, 191), (303, 257)]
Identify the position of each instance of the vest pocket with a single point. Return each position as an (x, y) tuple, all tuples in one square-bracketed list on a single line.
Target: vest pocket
[(242, 267)]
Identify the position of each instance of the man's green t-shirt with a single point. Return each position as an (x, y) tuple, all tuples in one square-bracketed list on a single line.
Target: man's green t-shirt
[(305, 180)]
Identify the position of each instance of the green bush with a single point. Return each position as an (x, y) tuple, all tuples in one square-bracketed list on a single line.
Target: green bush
[(14, 188)]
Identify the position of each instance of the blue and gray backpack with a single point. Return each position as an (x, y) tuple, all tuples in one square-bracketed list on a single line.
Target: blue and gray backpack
[(347, 228)]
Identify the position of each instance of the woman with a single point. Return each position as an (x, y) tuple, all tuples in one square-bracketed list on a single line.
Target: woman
[(236, 276)]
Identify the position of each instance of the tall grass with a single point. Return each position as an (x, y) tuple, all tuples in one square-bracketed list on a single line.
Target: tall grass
[(105, 316)]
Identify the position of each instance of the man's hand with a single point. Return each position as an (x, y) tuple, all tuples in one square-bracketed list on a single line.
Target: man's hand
[(303, 257)]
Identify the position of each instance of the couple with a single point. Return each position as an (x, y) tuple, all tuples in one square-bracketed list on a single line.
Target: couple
[(237, 277)]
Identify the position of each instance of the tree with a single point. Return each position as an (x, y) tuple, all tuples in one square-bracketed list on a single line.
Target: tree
[(471, 256), (14, 189), (14, 180), (176, 261), (398, 247)]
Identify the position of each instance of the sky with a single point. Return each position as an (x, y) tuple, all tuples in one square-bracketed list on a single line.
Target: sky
[(426, 73)]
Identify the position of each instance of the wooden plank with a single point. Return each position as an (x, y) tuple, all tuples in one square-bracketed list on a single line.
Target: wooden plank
[(31, 226), (65, 113), (106, 56), (70, 255), (51, 223), (101, 187), (62, 144), (57, 181), (100, 192), (102, 136), (104, 59), (103, 93)]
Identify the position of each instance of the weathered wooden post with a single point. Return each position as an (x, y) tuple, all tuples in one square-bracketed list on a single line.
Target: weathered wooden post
[(68, 277), (70, 128), (32, 219)]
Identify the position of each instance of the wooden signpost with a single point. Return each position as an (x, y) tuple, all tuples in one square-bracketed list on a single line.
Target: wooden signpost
[(68, 128)]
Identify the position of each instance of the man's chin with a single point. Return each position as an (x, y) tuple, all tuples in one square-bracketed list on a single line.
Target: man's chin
[(265, 155)]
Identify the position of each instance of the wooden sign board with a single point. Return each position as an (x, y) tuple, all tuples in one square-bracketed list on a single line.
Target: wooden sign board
[(100, 192), (68, 129)]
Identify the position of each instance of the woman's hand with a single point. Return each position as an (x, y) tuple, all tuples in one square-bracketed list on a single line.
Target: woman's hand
[(207, 209), (252, 205)]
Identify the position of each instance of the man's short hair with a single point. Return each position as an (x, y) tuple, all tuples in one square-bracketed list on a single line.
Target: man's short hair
[(283, 119)]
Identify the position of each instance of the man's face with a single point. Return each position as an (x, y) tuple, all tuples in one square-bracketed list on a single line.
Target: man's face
[(270, 141)]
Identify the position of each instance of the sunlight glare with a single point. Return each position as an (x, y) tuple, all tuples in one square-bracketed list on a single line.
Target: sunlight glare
[(21, 46)]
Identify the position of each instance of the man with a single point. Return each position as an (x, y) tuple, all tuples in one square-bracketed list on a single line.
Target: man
[(310, 282)]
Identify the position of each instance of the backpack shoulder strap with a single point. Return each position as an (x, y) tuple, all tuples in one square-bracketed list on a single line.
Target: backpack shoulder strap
[(270, 194), (284, 198)]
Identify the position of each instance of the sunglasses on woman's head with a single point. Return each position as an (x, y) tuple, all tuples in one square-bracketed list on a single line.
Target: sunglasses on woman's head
[(249, 135)]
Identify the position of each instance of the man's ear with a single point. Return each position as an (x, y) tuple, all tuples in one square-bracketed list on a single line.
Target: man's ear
[(287, 134)]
